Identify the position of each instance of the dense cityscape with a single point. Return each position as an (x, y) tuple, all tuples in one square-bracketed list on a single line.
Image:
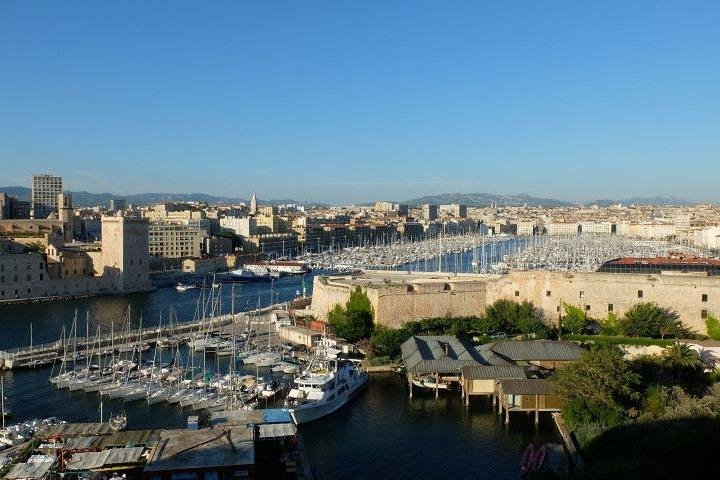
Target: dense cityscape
[(359, 240)]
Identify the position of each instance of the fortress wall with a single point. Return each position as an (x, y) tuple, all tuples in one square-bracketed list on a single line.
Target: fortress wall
[(548, 290)]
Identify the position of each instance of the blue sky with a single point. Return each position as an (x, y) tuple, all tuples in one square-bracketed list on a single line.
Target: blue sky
[(353, 101)]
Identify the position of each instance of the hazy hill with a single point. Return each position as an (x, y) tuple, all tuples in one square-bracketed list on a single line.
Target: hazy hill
[(87, 199), (485, 199)]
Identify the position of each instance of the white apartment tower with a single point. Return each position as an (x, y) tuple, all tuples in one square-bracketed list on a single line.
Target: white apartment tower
[(44, 195)]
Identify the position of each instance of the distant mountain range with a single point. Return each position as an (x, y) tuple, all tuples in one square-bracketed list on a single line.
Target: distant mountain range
[(87, 199), (520, 199), (485, 199)]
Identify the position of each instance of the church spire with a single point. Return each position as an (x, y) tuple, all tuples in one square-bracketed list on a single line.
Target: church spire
[(253, 204)]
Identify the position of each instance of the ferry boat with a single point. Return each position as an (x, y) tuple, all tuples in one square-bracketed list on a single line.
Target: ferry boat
[(278, 267), (326, 385), (242, 275)]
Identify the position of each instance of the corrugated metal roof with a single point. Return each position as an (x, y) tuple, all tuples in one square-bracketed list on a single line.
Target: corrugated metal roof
[(255, 417), (492, 372), (276, 430), (66, 430), (525, 350), (82, 443), (28, 470), (528, 386), (438, 353), (196, 449), (131, 438), (106, 458)]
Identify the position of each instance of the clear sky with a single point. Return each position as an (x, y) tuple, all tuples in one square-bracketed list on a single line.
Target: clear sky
[(355, 101)]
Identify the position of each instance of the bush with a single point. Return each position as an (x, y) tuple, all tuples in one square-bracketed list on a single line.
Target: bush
[(651, 320), (713, 327), (597, 388), (575, 319)]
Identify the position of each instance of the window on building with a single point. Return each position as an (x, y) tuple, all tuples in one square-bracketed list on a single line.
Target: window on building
[(704, 297), (587, 307), (582, 294), (447, 286), (558, 308), (40, 265), (41, 276), (410, 288), (640, 294), (548, 293), (517, 293), (703, 313), (610, 307)]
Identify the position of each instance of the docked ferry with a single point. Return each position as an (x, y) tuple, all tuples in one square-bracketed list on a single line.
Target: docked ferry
[(281, 267), (325, 386)]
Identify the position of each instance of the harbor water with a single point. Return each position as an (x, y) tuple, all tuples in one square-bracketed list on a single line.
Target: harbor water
[(381, 434)]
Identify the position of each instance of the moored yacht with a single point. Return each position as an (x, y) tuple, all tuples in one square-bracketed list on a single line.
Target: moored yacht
[(326, 385)]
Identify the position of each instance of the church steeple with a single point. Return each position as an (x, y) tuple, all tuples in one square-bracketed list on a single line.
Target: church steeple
[(253, 204)]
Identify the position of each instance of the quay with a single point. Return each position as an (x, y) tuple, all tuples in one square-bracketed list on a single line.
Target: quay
[(48, 353)]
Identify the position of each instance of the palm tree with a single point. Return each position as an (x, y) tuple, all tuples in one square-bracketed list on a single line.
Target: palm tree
[(680, 355), (683, 360)]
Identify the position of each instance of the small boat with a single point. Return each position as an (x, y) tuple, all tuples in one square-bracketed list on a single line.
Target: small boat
[(430, 382), (184, 287)]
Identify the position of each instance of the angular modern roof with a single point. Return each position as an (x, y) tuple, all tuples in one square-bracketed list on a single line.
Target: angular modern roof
[(527, 386), (438, 353), (66, 430), (528, 350), (492, 372)]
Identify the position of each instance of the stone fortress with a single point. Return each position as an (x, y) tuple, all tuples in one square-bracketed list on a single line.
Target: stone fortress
[(37, 259), (398, 297)]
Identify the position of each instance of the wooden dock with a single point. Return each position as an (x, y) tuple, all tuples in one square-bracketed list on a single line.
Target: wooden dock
[(49, 353)]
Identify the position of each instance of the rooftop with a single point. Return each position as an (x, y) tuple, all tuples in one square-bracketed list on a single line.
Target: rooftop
[(198, 449), (538, 350), (527, 386)]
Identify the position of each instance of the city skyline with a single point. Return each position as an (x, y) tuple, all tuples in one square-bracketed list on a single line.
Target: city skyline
[(340, 104)]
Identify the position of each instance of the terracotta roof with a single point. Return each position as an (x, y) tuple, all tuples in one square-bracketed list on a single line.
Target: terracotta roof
[(671, 260)]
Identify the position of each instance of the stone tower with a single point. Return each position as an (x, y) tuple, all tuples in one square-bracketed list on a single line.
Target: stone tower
[(67, 215), (126, 253)]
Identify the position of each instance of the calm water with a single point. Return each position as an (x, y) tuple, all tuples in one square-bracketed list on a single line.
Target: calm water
[(381, 434)]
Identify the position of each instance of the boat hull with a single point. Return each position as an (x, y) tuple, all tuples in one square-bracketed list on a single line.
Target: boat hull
[(310, 413)]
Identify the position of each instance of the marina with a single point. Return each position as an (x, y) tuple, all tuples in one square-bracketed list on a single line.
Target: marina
[(379, 419)]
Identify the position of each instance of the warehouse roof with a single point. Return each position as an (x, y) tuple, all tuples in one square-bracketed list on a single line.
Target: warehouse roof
[(30, 470), (207, 448), (528, 386), (106, 458), (66, 430), (492, 372), (528, 350), (438, 353), (276, 430)]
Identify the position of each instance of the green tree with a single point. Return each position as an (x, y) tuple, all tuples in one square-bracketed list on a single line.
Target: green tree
[(513, 317), (651, 320), (597, 388), (354, 322), (713, 327), (575, 319)]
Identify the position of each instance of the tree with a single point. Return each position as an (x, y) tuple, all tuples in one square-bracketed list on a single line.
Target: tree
[(501, 315), (651, 320), (575, 319), (354, 322), (506, 315), (597, 388)]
